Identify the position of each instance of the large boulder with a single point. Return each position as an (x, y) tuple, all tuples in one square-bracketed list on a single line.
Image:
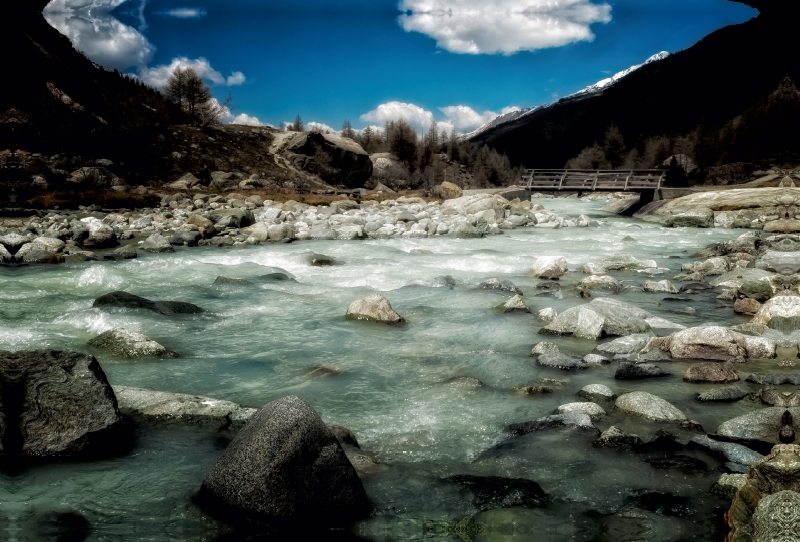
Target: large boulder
[(476, 203), (163, 407), (285, 465), (130, 301), (783, 263), (765, 423), (56, 404), (713, 343), (549, 267), (781, 313), (375, 308), (602, 317), (448, 190), (337, 160), (649, 406), (157, 243), (100, 235), (128, 344)]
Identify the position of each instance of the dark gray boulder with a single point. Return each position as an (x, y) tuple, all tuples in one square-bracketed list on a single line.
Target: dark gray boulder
[(285, 465), (561, 361), (502, 285), (726, 393), (188, 238), (338, 160), (56, 404), (130, 301), (492, 492), (633, 371)]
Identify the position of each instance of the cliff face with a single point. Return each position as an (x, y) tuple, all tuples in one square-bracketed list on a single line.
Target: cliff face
[(713, 81)]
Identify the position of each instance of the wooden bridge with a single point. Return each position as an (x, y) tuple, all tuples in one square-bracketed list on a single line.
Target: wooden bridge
[(646, 181)]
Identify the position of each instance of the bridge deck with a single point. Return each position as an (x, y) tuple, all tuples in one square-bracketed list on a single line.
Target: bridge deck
[(618, 180)]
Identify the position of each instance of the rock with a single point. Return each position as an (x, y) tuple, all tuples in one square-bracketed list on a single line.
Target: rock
[(747, 306), (344, 435), (57, 404), (766, 507), (596, 359), (157, 243), (128, 344), (660, 287), (570, 420), (465, 230), (545, 347), (649, 406), (773, 397), (783, 263), (593, 410), (515, 304), (601, 317), (503, 285), (466, 382), (226, 281), (493, 492), (285, 465), (711, 373), (374, 308), (549, 267), (187, 238), (130, 301), (561, 361), (758, 290), (712, 343), (474, 204), (729, 484), (594, 269), (596, 392), (100, 236), (320, 260), (634, 371), (765, 423), (731, 451), (127, 252), (738, 277), (780, 312), (728, 393), (602, 282), (235, 218), (546, 315), (337, 160), (622, 262), (786, 225), (38, 255), (12, 242), (685, 463), (614, 437), (49, 244), (626, 345), (162, 407), (448, 190)]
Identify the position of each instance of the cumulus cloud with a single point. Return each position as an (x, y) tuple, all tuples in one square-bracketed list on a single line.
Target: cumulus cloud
[(157, 75), (186, 13), (416, 116), (502, 26), (321, 127), (464, 117), (92, 29)]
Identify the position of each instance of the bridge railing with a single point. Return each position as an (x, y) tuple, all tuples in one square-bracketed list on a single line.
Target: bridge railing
[(616, 180)]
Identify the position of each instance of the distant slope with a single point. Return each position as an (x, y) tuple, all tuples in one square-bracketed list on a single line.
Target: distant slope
[(596, 88), (715, 80)]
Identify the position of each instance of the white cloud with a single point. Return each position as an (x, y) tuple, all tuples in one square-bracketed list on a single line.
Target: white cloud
[(320, 127), (92, 29), (186, 13), (246, 120), (416, 116), (502, 26), (157, 76), (464, 117)]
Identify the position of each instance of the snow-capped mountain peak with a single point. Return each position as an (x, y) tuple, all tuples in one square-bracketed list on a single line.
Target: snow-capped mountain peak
[(591, 89)]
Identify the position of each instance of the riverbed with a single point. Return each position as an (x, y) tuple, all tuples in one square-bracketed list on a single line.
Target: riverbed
[(389, 385)]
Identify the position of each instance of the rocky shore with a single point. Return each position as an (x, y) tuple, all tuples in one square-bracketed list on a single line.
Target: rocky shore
[(236, 220)]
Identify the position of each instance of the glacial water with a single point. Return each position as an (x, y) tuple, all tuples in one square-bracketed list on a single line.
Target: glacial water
[(389, 385)]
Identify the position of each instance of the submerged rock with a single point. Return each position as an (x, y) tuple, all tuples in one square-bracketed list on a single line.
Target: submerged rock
[(602, 317), (130, 301), (569, 420), (766, 423), (731, 451), (164, 407), (728, 393), (614, 437), (374, 308), (285, 465), (561, 361), (649, 406), (128, 344), (57, 404), (635, 371), (497, 284), (626, 345), (492, 492)]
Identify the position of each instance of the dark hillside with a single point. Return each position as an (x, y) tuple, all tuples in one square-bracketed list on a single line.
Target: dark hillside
[(712, 82)]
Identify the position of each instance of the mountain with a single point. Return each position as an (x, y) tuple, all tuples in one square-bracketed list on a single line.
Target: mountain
[(596, 88), (712, 82), (55, 100)]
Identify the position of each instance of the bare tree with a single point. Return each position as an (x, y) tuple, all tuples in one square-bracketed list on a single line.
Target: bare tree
[(187, 89)]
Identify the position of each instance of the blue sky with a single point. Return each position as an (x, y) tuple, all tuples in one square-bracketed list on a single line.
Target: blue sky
[(458, 62)]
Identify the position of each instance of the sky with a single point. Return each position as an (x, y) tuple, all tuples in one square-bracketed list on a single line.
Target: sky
[(456, 62)]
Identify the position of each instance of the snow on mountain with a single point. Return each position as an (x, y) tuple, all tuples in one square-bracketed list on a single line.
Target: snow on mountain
[(598, 87)]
